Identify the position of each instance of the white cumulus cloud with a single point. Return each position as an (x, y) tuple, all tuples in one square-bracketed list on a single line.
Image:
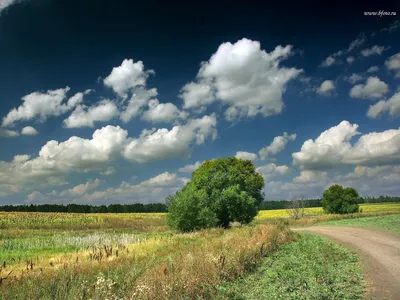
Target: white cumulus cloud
[(393, 64), (333, 148), (56, 159), (326, 88), (8, 133), (392, 106), (29, 130), (272, 170), (124, 78), (190, 168), (373, 89), (82, 116), (246, 155), (162, 112), (247, 79), (277, 145), (163, 143), (43, 105)]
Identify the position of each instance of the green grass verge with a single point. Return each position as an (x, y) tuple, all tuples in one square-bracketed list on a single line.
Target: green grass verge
[(311, 268), (388, 222)]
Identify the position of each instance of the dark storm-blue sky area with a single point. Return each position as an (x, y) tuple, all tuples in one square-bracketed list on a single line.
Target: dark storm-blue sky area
[(49, 45)]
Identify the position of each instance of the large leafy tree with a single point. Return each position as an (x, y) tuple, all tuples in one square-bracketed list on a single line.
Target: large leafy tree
[(221, 191), (339, 200)]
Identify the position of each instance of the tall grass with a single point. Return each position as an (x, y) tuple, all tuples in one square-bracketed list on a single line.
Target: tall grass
[(176, 267)]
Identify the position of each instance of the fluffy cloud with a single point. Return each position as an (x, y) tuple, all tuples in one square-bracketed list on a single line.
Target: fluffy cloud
[(372, 181), (307, 176), (8, 133), (162, 112), (153, 190), (163, 143), (127, 76), (272, 170), (29, 130), (373, 89), (56, 159), (81, 189), (277, 145), (82, 116), (393, 64), (195, 95), (190, 168), (140, 98), (246, 155), (244, 77), (43, 105), (354, 78), (375, 50), (333, 148), (373, 69), (326, 88), (392, 106)]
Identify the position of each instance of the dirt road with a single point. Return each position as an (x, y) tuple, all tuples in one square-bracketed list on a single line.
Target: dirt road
[(380, 255)]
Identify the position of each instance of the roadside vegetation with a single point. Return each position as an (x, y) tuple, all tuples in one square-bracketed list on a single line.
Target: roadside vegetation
[(386, 222), (160, 267), (310, 268)]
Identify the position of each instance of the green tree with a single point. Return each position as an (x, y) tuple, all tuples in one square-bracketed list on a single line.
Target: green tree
[(339, 200), (221, 191)]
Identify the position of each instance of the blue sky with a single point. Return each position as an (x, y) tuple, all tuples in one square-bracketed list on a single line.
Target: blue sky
[(118, 103)]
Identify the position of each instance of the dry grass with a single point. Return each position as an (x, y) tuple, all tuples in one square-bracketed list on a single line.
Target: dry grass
[(194, 272), (182, 266)]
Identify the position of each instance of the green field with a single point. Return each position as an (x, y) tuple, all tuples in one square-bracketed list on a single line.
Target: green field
[(389, 222)]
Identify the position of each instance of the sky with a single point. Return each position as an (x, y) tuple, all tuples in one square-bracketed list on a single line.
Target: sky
[(107, 102)]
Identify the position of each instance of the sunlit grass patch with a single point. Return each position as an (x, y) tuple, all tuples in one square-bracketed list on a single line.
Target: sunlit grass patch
[(310, 268), (388, 222)]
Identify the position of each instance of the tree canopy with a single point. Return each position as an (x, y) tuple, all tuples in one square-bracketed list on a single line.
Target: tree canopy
[(221, 191), (339, 200)]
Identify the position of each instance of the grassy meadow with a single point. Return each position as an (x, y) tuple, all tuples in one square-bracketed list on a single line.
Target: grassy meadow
[(123, 256), (135, 256)]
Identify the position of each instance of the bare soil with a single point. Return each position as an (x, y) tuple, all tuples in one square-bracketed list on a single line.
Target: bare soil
[(380, 256)]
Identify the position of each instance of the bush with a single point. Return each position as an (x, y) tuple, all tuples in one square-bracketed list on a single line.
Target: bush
[(339, 200), (221, 191)]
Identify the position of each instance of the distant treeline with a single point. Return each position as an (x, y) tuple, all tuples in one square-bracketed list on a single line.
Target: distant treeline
[(80, 208), (281, 204), (161, 207)]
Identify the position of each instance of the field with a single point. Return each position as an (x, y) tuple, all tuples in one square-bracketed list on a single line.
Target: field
[(389, 222), (317, 211), (123, 256)]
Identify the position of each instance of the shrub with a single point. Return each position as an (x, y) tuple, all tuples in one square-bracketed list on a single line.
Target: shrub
[(339, 200)]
